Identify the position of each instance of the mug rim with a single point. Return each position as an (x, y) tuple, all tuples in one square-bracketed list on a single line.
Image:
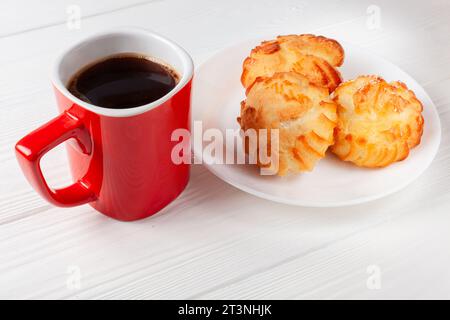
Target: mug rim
[(186, 76)]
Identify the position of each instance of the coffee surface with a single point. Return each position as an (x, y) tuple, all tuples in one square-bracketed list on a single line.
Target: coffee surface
[(123, 81)]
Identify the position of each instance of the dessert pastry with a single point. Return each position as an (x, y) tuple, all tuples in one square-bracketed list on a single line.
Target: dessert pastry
[(315, 57), (303, 113), (378, 122)]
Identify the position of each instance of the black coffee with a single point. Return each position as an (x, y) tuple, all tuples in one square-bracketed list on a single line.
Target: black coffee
[(123, 81)]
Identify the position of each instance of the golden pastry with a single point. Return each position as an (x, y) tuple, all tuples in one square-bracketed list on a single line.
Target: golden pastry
[(378, 122), (303, 113), (315, 57)]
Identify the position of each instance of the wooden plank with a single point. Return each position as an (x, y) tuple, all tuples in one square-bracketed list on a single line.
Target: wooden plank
[(21, 16)]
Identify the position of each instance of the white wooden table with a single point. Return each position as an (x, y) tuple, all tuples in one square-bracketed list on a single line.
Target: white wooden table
[(216, 241)]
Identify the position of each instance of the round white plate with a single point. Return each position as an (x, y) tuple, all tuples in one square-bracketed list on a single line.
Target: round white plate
[(216, 102)]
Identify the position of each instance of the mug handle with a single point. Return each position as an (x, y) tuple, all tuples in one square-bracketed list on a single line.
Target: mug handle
[(31, 148)]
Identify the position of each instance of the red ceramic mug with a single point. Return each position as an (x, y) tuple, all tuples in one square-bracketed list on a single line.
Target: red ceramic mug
[(120, 158)]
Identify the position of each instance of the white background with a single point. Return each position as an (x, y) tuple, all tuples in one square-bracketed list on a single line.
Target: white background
[(216, 241)]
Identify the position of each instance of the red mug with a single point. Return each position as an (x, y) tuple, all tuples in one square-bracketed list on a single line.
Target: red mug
[(120, 159)]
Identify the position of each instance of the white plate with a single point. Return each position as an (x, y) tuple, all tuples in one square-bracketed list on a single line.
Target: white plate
[(216, 98)]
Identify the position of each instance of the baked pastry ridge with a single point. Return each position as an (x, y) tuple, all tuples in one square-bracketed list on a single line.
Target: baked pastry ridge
[(303, 113), (315, 57), (378, 122)]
